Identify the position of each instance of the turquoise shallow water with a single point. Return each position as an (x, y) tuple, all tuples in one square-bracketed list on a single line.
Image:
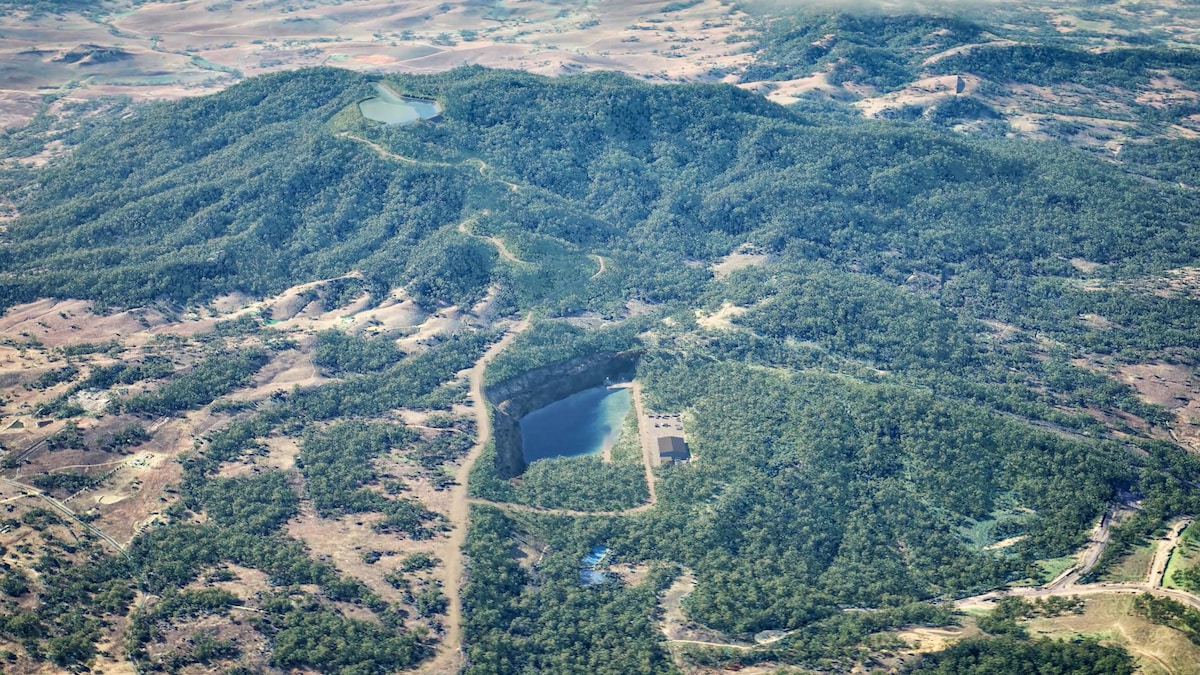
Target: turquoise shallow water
[(581, 424)]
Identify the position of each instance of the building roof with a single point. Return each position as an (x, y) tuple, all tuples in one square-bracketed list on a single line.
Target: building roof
[(673, 447)]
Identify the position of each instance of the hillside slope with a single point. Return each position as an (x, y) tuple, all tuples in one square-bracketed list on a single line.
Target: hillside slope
[(890, 347)]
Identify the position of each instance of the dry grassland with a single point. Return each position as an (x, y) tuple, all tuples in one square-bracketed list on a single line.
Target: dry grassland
[(1158, 649), (137, 485), (176, 49)]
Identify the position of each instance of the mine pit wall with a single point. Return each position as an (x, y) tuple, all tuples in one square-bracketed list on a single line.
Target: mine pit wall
[(513, 399)]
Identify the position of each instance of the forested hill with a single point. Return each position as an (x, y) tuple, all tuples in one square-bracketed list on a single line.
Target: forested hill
[(260, 187), (905, 400)]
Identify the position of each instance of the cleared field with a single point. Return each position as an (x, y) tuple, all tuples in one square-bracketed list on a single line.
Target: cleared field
[(1185, 555), (1053, 567), (1158, 649), (1134, 566)]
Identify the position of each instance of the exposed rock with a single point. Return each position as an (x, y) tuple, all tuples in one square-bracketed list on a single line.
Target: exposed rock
[(515, 398)]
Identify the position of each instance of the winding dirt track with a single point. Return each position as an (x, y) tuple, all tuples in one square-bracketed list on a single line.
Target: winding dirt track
[(483, 167), (600, 261), (1065, 584), (449, 658), (383, 152), (465, 228)]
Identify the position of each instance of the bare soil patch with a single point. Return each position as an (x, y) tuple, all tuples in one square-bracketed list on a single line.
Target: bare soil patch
[(1168, 385), (1158, 649), (349, 541), (1175, 387), (629, 573), (1183, 281), (1086, 266), (678, 628), (737, 260), (181, 633), (280, 454), (443, 322), (1003, 330), (136, 496), (60, 323), (247, 583), (1095, 321), (921, 640), (1005, 543), (286, 370), (721, 319), (671, 603), (922, 93)]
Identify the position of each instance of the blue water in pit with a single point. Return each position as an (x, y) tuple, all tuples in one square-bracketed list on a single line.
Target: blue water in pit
[(582, 424)]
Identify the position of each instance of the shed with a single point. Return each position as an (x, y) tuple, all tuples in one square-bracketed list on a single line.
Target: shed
[(673, 448)]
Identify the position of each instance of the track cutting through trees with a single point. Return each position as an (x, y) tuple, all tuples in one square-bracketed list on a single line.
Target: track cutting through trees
[(450, 653)]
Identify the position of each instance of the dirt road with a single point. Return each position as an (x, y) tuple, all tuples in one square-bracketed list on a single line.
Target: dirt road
[(484, 168), (479, 164), (648, 447), (599, 261), (66, 510), (1088, 557), (449, 658), (1158, 567), (1067, 583), (379, 150), (465, 228)]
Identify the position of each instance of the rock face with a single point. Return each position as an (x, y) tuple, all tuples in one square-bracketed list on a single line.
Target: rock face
[(513, 399)]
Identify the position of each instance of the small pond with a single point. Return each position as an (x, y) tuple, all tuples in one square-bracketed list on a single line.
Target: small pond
[(392, 108), (588, 574), (585, 423)]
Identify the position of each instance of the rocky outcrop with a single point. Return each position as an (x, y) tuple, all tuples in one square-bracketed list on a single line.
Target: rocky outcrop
[(513, 399), (87, 55)]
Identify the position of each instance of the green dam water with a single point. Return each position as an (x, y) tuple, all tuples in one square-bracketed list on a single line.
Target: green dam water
[(582, 424)]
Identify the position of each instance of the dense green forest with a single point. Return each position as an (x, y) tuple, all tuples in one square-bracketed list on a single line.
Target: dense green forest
[(888, 52), (1006, 655), (879, 50), (694, 169), (862, 428)]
